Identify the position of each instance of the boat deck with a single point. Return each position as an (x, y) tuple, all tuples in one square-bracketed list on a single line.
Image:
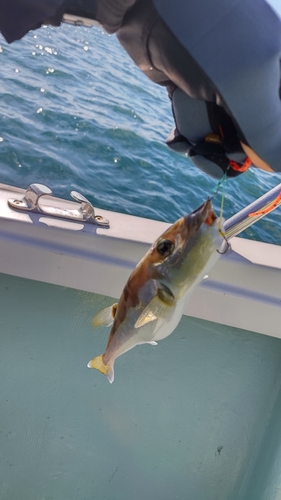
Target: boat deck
[(195, 417)]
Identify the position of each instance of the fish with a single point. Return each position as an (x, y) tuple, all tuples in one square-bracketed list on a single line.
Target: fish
[(155, 295)]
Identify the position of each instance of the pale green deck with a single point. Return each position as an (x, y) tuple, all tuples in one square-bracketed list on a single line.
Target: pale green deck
[(196, 418)]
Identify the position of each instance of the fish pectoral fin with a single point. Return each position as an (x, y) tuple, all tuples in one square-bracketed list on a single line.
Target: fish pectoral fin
[(154, 310), (98, 364), (146, 316), (152, 342), (105, 317)]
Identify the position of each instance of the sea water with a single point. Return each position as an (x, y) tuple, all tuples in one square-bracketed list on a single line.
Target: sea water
[(77, 114)]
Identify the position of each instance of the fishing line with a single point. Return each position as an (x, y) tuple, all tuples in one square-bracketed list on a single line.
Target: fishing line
[(222, 198), (221, 184)]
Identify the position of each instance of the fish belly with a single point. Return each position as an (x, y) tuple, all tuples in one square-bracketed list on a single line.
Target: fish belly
[(167, 327), (164, 328)]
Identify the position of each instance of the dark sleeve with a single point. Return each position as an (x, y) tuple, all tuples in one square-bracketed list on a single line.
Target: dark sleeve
[(237, 43), (17, 17)]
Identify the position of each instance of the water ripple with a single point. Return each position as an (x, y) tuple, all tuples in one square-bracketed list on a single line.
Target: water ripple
[(75, 113)]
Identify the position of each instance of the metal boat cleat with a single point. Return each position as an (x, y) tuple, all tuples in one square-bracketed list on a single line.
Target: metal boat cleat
[(31, 202)]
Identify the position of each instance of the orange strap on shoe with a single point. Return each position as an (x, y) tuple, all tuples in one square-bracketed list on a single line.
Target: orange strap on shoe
[(241, 168)]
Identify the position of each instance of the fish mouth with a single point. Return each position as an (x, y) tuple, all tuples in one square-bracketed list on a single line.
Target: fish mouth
[(186, 232), (211, 217), (208, 215)]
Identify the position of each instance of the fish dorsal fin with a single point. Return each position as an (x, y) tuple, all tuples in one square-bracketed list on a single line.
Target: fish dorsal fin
[(159, 307), (105, 317)]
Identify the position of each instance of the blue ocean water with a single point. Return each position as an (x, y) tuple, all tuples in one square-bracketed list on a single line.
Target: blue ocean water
[(75, 113)]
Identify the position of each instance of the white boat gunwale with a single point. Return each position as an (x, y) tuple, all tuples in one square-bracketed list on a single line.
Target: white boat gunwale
[(243, 289)]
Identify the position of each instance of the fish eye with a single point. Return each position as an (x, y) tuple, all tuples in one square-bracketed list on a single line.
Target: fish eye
[(165, 247)]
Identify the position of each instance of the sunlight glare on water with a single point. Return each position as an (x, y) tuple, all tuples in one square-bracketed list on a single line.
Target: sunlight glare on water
[(77, 114)]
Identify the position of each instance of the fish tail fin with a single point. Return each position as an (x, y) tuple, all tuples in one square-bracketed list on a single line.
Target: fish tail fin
[(98, 364)]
